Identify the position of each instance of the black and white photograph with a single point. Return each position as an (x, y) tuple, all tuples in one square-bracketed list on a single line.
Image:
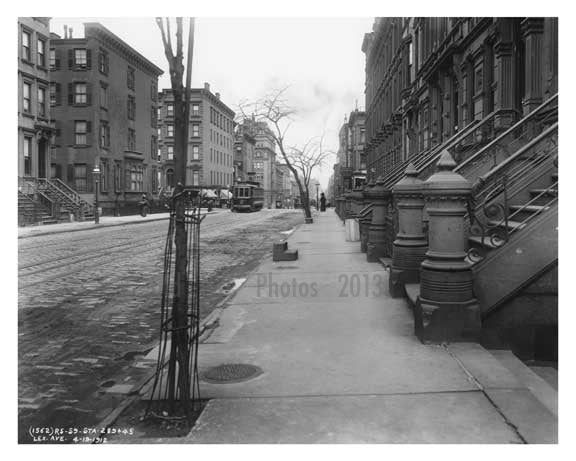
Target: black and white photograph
[(247, 228)]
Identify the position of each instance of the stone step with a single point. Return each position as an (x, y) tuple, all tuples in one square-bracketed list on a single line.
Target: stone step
[(541, 389)]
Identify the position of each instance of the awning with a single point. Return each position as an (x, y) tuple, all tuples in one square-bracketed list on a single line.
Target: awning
[(207, 193)]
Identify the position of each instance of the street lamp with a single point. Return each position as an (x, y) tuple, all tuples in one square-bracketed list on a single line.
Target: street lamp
[(317, 186), (96, 173)]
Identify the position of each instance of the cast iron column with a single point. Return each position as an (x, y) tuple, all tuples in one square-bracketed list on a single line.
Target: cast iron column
[(446, 309)]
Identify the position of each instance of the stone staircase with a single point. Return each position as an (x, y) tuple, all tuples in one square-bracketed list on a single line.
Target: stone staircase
[(32, 212), (55, 195)]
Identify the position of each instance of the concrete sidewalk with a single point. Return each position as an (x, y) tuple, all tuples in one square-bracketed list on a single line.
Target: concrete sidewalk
[(105, 221), (341, 363)]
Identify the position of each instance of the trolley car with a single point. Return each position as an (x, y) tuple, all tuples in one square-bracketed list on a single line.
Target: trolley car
[(247, 196)]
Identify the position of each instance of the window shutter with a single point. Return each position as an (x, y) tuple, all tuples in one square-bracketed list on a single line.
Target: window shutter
[(127, 178), (71, 174), (57, 60), (58, 94), (70, 94), (88, 59), (89, 94), (59, 171), (70, 59)]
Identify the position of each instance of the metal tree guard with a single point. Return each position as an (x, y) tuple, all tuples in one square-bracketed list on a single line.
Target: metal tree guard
[(176, 379)]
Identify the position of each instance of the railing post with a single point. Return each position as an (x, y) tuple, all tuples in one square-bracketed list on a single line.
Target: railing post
[(380, 197), (446, 309), (409, 248)]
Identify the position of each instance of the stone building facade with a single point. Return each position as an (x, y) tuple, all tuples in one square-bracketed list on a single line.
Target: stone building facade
[(103, 96), (428, 78), (35, 128), (210, 162)]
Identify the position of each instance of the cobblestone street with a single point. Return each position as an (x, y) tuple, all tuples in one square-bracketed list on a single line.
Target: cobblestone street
[(89, 308)]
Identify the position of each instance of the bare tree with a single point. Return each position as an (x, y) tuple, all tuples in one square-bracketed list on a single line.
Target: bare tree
[(178, 363), (274, 109)]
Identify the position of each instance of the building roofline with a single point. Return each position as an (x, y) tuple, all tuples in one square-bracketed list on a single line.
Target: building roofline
[(95, 29), (206, 93)]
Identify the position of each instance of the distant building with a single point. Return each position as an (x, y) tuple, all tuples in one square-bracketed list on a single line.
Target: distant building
[(264, 159), (284, 187), (244, 148), (35, 129), (104, 100), (210, 161)]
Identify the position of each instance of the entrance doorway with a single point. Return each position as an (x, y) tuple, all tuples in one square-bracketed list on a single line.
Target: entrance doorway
[(42, 158)]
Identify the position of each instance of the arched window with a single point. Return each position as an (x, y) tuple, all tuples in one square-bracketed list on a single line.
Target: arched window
[(170, 178)]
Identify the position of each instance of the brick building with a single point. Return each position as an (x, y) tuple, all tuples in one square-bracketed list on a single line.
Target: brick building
[(210, 161), (104, 100), (34, 126)]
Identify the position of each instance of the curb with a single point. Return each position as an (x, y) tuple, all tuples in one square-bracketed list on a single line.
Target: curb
[(97, 226), (209, 323)]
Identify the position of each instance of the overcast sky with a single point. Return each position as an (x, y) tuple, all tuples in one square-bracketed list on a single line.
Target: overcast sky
[(242, 58)]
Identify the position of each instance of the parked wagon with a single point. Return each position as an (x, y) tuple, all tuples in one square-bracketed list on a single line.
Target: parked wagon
[(247, 196)]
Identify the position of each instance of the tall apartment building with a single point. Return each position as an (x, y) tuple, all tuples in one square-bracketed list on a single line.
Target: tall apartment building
[(104, 100), (34, 127), (244, 148), (210, 156), (265, 161), (428, 78), (285, 186)]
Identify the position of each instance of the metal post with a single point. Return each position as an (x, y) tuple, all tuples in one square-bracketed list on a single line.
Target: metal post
[(317, 207), (96, 172)]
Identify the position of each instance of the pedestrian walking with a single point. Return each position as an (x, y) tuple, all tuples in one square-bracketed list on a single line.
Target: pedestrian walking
[(322, 202)]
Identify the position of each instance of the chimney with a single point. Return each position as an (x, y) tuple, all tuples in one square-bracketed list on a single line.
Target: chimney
[(71, 32), (65, 31), (206, 86), (217, 95)]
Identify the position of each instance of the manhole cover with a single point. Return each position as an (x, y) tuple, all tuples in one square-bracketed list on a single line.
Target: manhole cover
[(231, 373)]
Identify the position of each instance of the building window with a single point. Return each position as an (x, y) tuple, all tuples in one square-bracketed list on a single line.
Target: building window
[(195, 152), (195, 109), (195, 130), (153, 117), (131, 139), (105, 172), (170, 178), (80, 178), (80, 93), (117, 177), (170, 152), (27, 156), (80, 58), (170, 110), (104, 135), (53, 97), (103, 62), (26, 45), (153, 145), (136, 175), (159, 154), (41, 53), (130, 78), (42, 102), (27, 97), (53, 63), (154, 90), (195, 178), (169, 130), (131, 107), (103, 95), (81, 133)]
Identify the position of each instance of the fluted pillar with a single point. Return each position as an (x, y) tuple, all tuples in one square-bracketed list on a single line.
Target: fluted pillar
[(410, 246), (446, 309)]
